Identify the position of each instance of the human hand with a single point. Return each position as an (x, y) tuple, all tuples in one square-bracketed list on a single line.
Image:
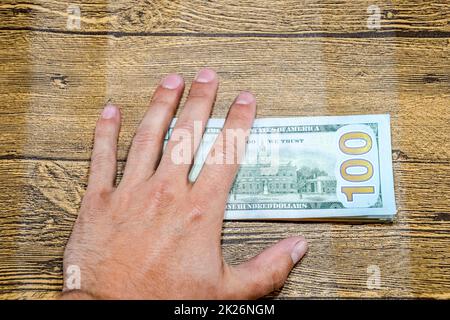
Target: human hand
[(157, 235)]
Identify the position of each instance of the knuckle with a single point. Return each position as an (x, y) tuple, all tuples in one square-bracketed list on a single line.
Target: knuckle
[(145, 137), (94, 202), (98, 196), (242, 116), (197, 100), (185, 126), (217, 154), (230, 147), (197, 211), (277, 279), (162, 194), (99, 160), (199, 91), (268, 278), (161, 101)]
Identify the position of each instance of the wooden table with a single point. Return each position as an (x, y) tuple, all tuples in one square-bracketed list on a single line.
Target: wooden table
[(300, 58)]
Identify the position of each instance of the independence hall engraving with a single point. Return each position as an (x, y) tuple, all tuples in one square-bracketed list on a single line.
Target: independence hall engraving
[(254, 179), (282, 179)]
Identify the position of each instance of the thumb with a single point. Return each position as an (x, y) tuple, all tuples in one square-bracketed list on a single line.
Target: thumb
[(269, 270)]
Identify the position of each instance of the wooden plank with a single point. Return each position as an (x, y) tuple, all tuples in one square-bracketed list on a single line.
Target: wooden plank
[(231, 16), (39, 201), (55, 93)]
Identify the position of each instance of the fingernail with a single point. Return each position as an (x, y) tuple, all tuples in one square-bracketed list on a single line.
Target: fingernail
[(109, 111), (205, 75), (172, 81), (245, 98), (299, 251)]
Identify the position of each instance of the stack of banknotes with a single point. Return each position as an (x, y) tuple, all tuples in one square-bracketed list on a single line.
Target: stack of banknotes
[(311, 168)]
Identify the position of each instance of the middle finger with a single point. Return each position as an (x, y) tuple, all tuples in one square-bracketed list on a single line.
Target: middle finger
[(187, 133)]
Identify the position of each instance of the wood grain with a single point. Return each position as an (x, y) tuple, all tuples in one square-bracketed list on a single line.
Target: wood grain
[(301, 58), (230, 16), (56, 94), (40, 200)]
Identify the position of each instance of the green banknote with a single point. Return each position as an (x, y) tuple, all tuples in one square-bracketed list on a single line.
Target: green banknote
[(322, 168)]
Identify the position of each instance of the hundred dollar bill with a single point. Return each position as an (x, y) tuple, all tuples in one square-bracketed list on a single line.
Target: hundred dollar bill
[(318, 168)]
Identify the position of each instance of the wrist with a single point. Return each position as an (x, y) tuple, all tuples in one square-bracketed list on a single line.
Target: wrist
[(75, 295)]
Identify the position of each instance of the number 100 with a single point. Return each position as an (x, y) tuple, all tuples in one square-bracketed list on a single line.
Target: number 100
[(348, 166)]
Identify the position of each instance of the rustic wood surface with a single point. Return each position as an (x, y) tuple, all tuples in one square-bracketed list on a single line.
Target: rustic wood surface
[(300, 58), (227, 16)]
